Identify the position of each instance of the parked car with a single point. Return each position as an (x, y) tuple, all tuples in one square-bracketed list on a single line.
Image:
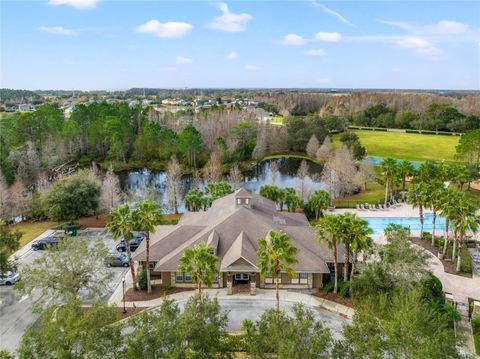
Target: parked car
[(44, 243), (116, 260), (9, 278), (133, 243)]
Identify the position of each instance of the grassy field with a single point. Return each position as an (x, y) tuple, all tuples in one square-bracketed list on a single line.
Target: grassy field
[(408, 146), (375, 193), (31, 230)]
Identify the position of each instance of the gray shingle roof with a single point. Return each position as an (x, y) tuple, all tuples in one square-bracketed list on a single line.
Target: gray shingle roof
[(234, 231)]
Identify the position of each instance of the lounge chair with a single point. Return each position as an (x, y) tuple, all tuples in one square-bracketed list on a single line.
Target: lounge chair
[(362, 207), (358, 207)]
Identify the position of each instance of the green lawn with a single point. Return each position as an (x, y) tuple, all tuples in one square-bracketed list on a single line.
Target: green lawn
[(408, 146), (375, 193), (31, 230)]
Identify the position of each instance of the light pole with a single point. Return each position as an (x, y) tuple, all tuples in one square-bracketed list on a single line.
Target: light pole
[(123, 289)]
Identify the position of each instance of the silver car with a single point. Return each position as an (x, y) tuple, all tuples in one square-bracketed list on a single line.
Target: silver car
[(116, 260), (9, 278)]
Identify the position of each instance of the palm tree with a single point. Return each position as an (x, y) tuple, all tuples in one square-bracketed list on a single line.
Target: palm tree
[(435, 192), (145, 218), (465, 221), (405, 169), (276, 254), (318, 202), (358, 237), (329, 230), (201, 263), (194, 200), (417, 197), (121, 226), (390, 172), (448, 203)]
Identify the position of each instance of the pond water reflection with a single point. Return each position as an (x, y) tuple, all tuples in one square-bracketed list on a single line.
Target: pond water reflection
[(146, 183)]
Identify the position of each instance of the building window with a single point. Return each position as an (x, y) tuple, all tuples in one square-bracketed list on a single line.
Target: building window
[(239, 201), (303, 278), (215, 278), (300, 278), (247, 200), (152, 265), (183, 278), (268, 279)]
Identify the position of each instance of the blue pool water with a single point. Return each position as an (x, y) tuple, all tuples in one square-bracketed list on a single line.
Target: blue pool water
[(378, 224)]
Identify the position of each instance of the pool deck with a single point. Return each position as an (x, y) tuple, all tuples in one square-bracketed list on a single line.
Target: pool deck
[(401, 210), (462, 288)]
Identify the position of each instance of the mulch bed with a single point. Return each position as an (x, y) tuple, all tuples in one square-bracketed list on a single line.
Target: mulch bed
[(334, 297), (448, 265), (157, 291), (130, 311)]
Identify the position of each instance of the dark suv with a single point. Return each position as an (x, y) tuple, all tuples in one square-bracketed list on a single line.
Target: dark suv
[(134, 243), (44, 243)]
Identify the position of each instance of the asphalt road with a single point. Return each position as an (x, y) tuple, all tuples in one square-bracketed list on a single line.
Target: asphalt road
[(16, 311)]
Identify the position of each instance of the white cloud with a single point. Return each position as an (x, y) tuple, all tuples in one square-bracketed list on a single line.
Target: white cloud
[(58, 30), (229, 21), (328, 36), (181, 60), (77, 4), (165, 30), (315, 52), (293, 39), (442, 27), (232, 55), (252, 68), (329, 11), (421, 46)]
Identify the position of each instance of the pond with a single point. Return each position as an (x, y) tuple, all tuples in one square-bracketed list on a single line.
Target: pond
[(147, 183), (377, 160)]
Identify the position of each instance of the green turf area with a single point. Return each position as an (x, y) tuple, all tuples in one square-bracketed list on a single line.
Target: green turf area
[(375, 193), (408, 146), (277, 120), (31, 230)]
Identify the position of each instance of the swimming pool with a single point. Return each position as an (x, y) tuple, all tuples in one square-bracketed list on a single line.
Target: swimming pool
[(378, 224)]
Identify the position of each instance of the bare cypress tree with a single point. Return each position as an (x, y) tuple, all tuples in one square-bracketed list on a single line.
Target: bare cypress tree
[(235, 177), (312, 147), (196, 179), (212, 172), (301, 174), (174, 183), (19, 199), (325, 150), (5, 199), (273, 171), (261, 146), (365, 174), (110, 196)]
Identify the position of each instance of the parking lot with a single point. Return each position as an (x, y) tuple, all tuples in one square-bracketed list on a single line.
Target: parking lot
[(16, 312)]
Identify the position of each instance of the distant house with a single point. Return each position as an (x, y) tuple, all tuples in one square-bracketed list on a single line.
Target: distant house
[(233, 226), (26, 107)]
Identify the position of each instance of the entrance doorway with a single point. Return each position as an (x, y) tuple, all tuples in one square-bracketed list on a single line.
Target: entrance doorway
[(241, 278)]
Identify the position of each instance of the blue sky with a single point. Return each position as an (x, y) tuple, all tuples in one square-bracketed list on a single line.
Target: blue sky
[(101, 44)]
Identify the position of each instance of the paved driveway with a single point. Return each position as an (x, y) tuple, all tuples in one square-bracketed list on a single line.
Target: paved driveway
[(16, 312), (240, 308)]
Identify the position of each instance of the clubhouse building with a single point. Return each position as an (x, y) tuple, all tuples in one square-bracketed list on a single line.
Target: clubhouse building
[(232, 227)]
